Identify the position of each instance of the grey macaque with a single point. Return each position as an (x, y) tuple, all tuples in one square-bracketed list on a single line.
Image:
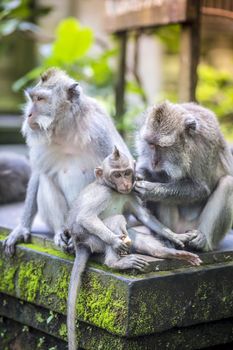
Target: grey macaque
[(188, 168), (14, 176), (97, 226), (68, 135)]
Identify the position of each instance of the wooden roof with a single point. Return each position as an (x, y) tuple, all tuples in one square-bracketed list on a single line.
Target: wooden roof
[(124, 15)]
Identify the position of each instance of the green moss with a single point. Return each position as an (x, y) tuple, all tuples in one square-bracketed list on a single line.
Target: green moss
[(7, 281), (56, 291), (63, 331), (39, 317), (30, 276), (47, 250), (3, 234), (104, 306), (43, 280)]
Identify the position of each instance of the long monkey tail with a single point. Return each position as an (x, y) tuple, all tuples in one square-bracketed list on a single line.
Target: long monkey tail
[(80, 262)]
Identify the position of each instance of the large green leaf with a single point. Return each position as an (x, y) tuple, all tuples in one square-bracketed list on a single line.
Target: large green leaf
[(72, 42)]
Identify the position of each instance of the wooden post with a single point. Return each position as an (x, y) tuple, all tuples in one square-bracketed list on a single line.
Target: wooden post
[(189, 56), (120, 85)]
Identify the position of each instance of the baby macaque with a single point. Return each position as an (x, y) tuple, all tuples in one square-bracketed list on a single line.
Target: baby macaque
[(96, 225), (14, 176)]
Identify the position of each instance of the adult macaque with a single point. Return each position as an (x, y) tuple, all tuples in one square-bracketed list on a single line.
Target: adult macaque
[(68, 135), (14, 176), (188, 167), (97, 226)]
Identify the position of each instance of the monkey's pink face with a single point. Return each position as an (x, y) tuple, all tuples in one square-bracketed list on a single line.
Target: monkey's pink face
[(38, 109), (123, 180)]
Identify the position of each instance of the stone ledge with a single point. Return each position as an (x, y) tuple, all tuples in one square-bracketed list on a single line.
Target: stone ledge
[(123, 304), (35, 324)]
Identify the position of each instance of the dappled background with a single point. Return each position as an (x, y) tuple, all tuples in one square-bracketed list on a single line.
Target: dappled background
[(73, 35)]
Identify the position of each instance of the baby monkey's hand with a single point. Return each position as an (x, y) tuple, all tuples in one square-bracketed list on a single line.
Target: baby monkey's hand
[(127, 240), (120, 246)]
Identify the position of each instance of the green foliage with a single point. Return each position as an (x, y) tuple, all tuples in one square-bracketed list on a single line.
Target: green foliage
[(170, 37), (215, 90), (72, 42), (19, 15), (71, 51)]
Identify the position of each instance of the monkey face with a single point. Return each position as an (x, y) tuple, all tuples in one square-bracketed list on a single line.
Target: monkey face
[(166, 140), (164, 162), (52, 106), (117, 172), (37, 111), (123, 180)]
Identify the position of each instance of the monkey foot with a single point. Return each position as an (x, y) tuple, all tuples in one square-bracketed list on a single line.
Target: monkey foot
[(132, 261), (19, 234), (70, 247), (61, 240), (193, 259)]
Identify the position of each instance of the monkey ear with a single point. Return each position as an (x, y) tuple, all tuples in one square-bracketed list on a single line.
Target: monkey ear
[(116, 153), (72, 91), (190, 125), (98, 172)]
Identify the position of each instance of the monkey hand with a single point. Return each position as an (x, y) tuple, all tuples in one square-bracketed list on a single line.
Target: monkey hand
[(145, 188), (199, 242), (19, 234), (187, 236), (120, 246)]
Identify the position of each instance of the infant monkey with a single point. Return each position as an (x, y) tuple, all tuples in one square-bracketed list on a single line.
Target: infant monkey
[(96, 225)]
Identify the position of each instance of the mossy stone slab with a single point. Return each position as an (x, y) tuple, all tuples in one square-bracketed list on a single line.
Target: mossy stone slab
[(124, 304)]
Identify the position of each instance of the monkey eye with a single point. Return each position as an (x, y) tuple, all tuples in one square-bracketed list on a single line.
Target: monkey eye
[(40, 98), (128, 172), (117, 175)]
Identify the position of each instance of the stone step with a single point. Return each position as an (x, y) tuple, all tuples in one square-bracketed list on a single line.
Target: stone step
[(171, 302), (124, 304), (35, 324)]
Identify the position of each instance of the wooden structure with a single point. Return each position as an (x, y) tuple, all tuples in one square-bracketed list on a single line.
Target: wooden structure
[(124, 16)]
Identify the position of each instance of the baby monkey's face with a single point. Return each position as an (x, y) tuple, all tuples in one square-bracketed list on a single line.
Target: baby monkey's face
[(123, 179)]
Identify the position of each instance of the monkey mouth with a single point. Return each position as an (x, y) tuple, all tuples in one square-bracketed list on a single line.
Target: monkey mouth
[(125, 191), (34, 126)]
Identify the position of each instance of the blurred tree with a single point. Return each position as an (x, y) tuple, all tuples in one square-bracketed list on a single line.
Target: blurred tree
[(17, 46), (76, 51), (214, 89), (20, 15), (72, 50)]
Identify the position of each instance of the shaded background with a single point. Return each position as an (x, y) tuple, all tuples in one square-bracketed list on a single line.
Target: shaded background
[(35, 35)]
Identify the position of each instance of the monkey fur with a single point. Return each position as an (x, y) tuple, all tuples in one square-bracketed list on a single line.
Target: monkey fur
[(68, 135), (97, 225), (188, 171)]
